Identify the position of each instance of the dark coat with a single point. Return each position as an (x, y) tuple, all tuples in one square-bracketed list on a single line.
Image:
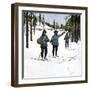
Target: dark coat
[(43, 40), (54, 39)]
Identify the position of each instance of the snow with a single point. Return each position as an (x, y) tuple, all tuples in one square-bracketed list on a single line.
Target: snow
[(68, 64)]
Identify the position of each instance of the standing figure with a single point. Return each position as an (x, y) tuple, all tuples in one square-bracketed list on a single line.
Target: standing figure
[(55, 42), (66, 38), (43, 40)]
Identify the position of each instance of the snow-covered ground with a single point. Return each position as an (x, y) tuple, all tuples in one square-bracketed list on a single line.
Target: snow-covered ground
[(66, 65)]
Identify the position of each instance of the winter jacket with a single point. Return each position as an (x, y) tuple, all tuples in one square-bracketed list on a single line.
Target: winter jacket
[(43, 40), (54, 39)]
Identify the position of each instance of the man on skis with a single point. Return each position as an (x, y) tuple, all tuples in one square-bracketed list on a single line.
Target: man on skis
[(55, 42)]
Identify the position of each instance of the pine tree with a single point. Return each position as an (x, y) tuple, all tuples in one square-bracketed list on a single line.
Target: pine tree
[(39, 18), (57, 25), (27, 43), (54, 24), (31, 28), (43, 21), (34, 22), (62, 26), (30, 20), (24, 15), (75, 28)]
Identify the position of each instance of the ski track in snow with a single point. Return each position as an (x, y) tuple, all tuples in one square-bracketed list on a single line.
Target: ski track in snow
[(67, 64)]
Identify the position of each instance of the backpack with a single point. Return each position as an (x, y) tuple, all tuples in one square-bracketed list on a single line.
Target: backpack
[(39, 40)]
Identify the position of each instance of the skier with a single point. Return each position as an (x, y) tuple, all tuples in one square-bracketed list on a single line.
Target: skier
[(66, 38), (43, 40), (55, 43)]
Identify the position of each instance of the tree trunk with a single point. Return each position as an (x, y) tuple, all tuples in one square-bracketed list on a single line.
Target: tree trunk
[(72, 29), (31, 29), (78, 28), (27, 43), (75, 28)]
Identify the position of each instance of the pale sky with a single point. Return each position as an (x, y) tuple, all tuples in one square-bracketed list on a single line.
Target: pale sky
[(49, 17)]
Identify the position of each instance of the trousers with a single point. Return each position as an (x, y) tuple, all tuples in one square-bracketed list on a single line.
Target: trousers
[(43, 52), (55, 49)]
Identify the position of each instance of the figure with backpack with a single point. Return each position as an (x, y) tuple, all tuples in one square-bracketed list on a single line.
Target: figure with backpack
[(55, 42), (43, 40)]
